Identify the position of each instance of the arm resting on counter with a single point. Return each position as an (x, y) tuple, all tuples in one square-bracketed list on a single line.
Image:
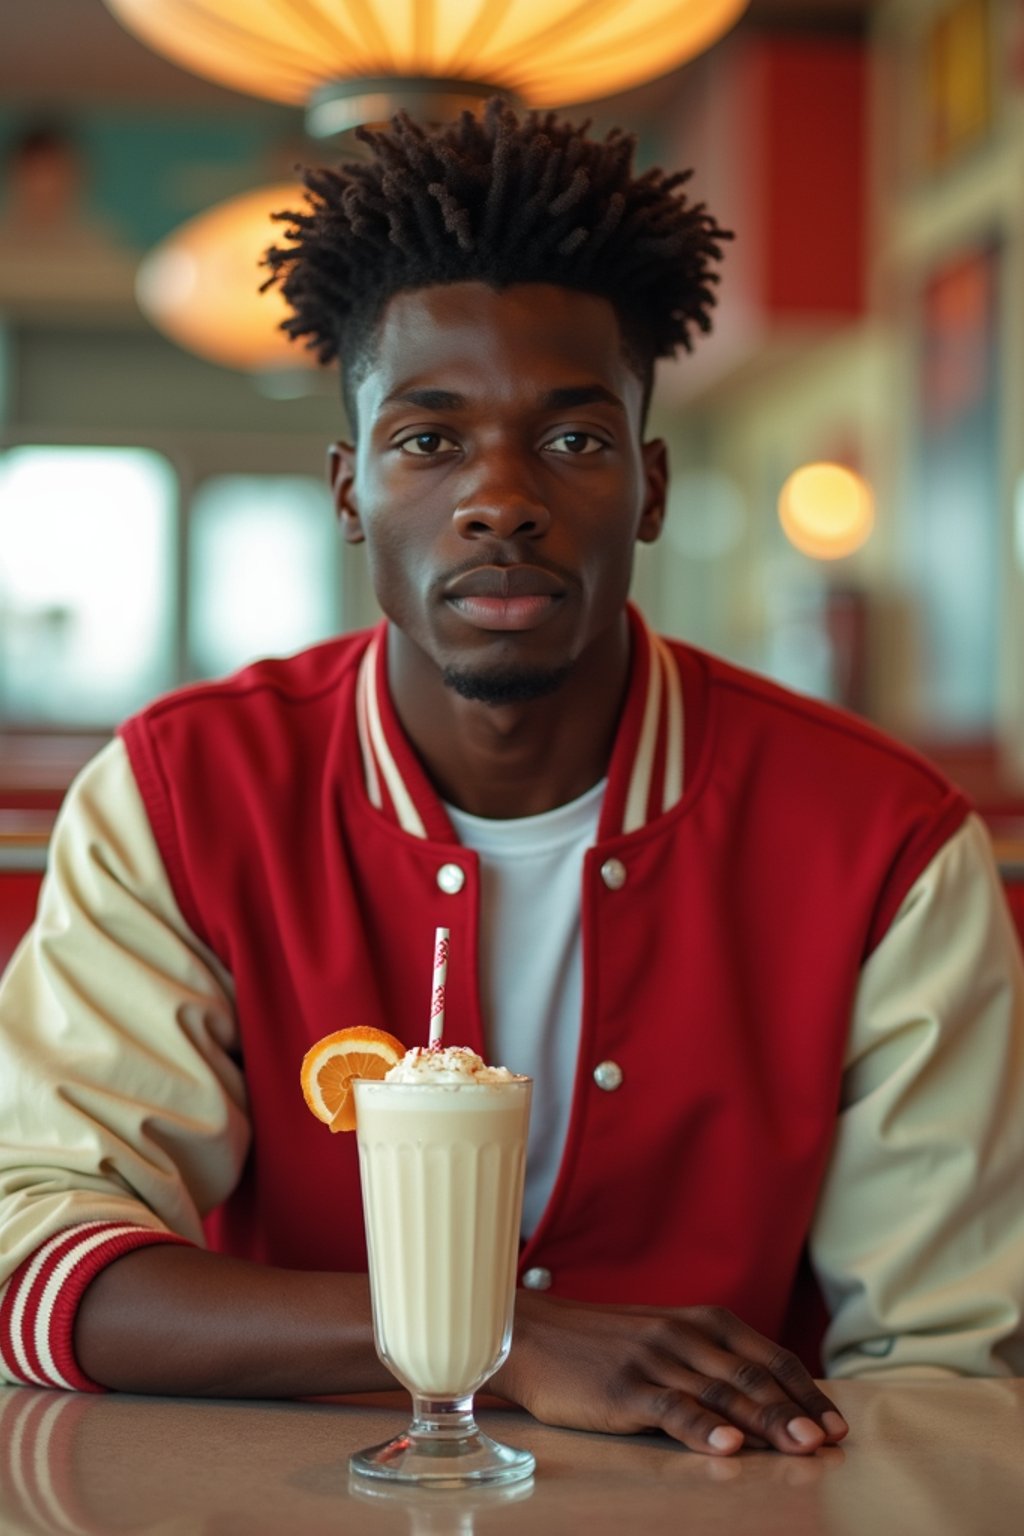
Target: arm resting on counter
[(182, 1321), (176, 1320)]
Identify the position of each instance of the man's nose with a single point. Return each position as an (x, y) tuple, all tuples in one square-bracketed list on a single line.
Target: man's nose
[(501, 505)]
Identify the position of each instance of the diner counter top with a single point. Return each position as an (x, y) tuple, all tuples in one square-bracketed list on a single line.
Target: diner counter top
[(924, 1458)]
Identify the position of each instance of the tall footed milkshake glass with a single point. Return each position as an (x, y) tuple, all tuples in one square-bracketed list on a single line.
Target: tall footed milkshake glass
[(442, 1150)]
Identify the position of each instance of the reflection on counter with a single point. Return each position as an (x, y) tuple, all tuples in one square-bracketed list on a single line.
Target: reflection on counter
[(924, 1458), (440, 1512)]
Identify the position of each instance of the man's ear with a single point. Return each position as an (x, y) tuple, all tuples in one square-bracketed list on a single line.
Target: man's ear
[(652, 517), (341, 475)]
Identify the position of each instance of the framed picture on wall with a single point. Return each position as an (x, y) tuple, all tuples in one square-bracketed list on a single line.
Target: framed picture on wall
[(956, 82), (955, 512), (1014, 45)]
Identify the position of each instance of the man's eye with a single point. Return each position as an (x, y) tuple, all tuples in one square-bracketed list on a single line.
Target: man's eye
[(425, 444), (578, 443)]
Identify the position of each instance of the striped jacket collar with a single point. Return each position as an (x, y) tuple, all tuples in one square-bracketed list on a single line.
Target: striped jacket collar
[(645, 776)]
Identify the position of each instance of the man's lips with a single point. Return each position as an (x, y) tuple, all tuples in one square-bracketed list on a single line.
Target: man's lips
[(506, 581), (505, 597)]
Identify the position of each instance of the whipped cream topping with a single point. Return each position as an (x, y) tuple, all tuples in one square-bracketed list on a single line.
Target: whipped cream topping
[(450, 1064)]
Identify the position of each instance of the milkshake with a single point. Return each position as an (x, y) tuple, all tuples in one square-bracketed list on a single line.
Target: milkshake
[(442, 1143)]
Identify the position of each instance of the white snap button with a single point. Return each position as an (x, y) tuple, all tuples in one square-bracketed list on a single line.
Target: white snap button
[(538, 1279), (608, 1075), (451, 879), (613, 873)]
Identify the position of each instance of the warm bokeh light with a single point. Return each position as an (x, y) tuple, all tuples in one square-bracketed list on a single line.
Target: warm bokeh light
[(545, 52), (200, 286), (826, 511)]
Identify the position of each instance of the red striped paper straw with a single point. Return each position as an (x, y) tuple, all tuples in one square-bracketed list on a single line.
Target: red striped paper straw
[(438, 987)]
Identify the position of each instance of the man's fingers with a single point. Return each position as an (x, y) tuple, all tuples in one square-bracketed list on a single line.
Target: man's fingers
[(760, 1368), (679, 1414), (692, 1417), (803, 1389), (769, 1415), (714, 1417), (698, 1374), (834, 1425)]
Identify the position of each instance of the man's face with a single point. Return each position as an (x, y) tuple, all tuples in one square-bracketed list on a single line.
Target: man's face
[(499, 480)]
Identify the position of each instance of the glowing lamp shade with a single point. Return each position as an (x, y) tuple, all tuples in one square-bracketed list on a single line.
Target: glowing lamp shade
[(826, 511), (544, 52), (200, 286)]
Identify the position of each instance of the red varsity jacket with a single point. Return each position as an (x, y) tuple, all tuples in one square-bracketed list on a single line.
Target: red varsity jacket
[(752, 848)]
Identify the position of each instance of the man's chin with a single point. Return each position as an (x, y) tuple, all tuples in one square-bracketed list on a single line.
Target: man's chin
[(511, 685)]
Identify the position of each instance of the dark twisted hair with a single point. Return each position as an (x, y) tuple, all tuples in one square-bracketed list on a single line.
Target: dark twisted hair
[(500, 200)]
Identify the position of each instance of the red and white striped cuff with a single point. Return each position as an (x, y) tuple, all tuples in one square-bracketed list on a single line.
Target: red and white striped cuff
[(37, 1314)]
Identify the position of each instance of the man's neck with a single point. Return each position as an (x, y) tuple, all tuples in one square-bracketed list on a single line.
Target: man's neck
[(509, 760)]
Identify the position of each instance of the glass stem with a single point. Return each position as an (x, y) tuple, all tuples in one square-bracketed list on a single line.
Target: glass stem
[(442, 1418)]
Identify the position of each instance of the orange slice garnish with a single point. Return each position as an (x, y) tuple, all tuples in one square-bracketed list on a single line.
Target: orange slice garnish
[(330, 1067)]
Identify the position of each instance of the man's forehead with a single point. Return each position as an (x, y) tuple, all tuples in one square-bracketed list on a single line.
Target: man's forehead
[(451, 336)]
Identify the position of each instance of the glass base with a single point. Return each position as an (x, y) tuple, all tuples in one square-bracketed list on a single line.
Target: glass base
[(443, 1448)]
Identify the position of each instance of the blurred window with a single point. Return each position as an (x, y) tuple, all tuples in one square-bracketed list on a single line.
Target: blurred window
[(264, 575), (87, 562)]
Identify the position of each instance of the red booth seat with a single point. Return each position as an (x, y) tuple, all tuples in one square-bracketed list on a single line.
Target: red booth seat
[(19, 892), (24, 835)]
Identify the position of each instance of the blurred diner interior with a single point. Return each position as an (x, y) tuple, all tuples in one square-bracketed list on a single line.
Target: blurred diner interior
[(847, 503)]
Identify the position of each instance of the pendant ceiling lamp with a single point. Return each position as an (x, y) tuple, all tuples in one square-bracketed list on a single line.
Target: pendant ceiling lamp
[(200, 286), (357, 61), (352, 61)]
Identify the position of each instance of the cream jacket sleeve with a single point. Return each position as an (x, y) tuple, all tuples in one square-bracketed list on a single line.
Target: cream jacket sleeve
[(122, 1106), (919, 1236)]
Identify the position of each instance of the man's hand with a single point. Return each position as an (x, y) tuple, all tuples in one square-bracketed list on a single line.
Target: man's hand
[(698, 1373)]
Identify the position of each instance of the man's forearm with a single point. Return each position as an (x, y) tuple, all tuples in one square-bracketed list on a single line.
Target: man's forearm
[(180, 1320), (171, 1319)]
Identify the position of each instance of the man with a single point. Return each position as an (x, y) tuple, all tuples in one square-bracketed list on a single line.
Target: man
[(707, 916)]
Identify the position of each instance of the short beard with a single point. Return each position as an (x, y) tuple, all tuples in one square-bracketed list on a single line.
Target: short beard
[(518, 685)]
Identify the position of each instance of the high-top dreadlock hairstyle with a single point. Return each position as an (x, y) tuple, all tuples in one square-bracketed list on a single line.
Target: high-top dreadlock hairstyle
[(499, 200)]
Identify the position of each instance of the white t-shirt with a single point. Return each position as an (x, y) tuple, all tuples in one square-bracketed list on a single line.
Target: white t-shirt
[(531, 963)]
